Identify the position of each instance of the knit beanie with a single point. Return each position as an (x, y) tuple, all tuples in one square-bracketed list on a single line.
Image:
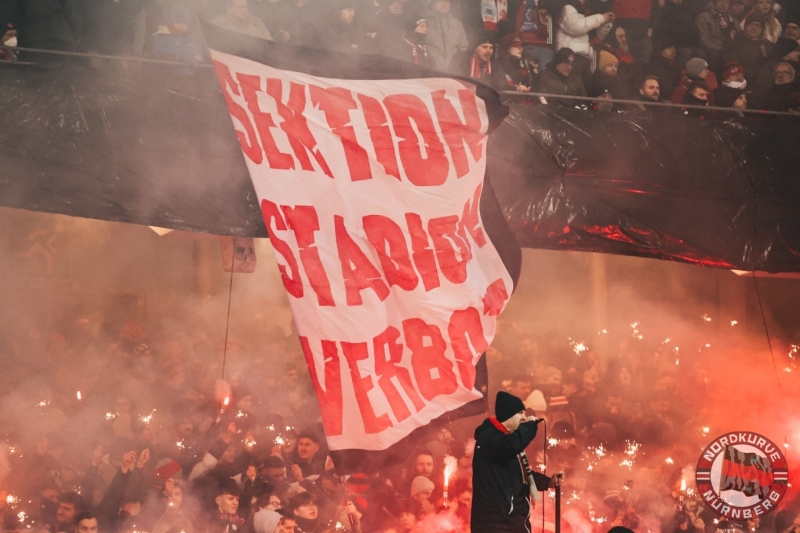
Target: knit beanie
[(536, 401), (605, 59), (562, 56), (507, 405), (695, 66), (420, 484), (732, 69)]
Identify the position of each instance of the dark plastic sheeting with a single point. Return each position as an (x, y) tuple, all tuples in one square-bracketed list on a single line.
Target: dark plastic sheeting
[(155, 146), (664, 185)]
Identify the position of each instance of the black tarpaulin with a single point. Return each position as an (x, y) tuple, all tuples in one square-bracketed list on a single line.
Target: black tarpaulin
[(154, 145), (719, 193)]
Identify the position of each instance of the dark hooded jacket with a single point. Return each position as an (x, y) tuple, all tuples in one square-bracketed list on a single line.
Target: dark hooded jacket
[(500, 495)]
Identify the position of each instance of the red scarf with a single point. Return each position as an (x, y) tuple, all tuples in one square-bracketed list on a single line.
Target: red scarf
[(477, 71), (415, 48)]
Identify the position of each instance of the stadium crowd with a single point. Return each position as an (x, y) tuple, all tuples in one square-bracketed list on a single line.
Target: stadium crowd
[(138, 434), (731, 53)]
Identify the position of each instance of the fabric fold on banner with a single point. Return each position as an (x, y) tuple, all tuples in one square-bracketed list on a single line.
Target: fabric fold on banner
[(370, 175)]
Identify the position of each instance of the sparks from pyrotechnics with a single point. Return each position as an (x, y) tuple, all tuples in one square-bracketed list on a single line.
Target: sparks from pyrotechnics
[(552, 441), (669, 461), (110, 416), (147, 419), (240, 414), (22, 516), (180, 444), (11, 499), (706, 318), (602, 332), (705, 430), (250, 442), (635, 328), (279, 440), (577, 347), (734, 322), (45, 403), (79, 396)]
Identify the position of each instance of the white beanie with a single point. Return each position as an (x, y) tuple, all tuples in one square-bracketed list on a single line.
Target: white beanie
[(535, 401)]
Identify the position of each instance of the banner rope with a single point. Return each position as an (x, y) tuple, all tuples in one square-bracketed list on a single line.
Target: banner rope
[(228, 317)]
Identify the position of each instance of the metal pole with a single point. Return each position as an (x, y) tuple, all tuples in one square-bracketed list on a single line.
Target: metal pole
[(558, 508)]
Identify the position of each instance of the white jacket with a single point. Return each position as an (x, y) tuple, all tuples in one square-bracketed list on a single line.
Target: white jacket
[(573, 31)]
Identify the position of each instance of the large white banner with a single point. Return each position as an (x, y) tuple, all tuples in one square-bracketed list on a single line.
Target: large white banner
[(370, 192)]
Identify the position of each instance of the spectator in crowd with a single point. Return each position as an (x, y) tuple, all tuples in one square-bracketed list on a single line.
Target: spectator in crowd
[(605, 81), (172, 40), (289, 21), (413, 44), (616, 42), (560, 78), (696, 71), (341, 32), (237, 17), (716, 27), (226, 497), (733, 76), (478, 63), (523, 73), (786, 51), (662, 65), (634, 16), (772, 26), (775, 96), (421, 491), (677, 24), (649, 91), (792, 29), (732, 98), (446, 36), (749, 48), (574, 26), (308, 459)]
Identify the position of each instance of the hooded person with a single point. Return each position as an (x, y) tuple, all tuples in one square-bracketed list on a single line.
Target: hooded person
[(265, 521), (502, 481)]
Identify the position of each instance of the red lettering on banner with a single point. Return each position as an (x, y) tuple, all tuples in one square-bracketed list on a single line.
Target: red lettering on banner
[(330, 398), (422, 169), (427, 357), (470, 220), (291, 279), (336, 103), (247, 138), (389, 241), (466, 324), (357, 270), (294, 123), (422, 252), (388, 354), (355, 352), (456, 132), (303, 220), (446, 236), (380, 134), (251, 86)]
